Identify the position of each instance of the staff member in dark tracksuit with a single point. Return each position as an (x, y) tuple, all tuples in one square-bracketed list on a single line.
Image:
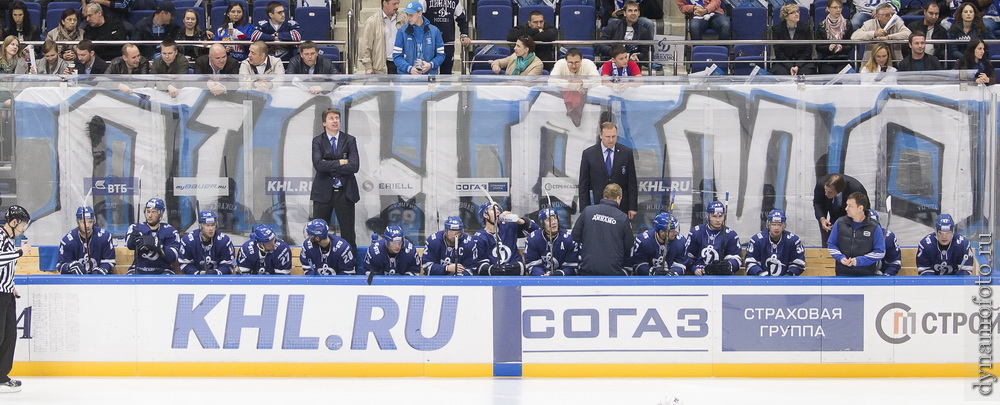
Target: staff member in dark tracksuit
[(857, 242), (604, 235)]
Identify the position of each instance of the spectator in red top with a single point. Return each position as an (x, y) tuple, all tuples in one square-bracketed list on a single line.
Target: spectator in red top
[(620, 65)]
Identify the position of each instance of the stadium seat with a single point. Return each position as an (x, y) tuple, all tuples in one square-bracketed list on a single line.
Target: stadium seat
[(591, 3), (55, 10), (480, 62), (216, 16), (137, 15), (259, 14), (578, 23), (315, 22), (182, 5), (493, 21), (330, 52), (547, 12), (709, 54), (749, 22), (225, 3), (907, 19), (485, 72), (746, 57), (493, 3)]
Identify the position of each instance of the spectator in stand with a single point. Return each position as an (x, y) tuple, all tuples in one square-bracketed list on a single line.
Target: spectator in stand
[(87, 61), (130, 63), (118, 10), (277, 28), (789, 58), (620, 64), (218, 61), (156, 27), (573, 70), (835, 27), (540, 31), (50, 62), (170, 61), (19, 25), (968, 25), (443, 14), (234, 27), (259, 64), (977, 60), (100, 28), (67, 31), (885, 26), (705, 14), (879, 61), (931, 26), (864, 9), (377, 38), (419, 48), (918, 60), (632, 28), (308, 62), (522, 62), (11, 61), (192, 31)]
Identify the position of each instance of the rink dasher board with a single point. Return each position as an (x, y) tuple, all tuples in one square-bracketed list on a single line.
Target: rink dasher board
[(479, 326)]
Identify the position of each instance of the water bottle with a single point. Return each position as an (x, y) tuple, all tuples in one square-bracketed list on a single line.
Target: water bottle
[(374, 238), (510, 217)]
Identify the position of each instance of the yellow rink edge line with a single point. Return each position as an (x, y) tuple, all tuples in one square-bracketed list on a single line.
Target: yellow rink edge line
[(268, 369)]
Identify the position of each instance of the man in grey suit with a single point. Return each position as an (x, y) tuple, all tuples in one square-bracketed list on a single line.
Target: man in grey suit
[(605, 163), (335, 189)]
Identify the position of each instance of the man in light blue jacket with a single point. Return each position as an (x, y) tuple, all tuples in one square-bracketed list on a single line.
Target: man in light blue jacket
[(419, 48)]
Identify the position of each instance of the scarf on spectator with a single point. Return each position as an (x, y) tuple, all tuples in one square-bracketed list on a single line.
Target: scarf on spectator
[(834, 29), (522, 63), (63, 35)]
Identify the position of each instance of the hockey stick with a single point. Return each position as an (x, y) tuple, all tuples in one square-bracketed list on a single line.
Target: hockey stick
[(496, 226), (139, 211), (888, 211), (663, 176), (548, 241)]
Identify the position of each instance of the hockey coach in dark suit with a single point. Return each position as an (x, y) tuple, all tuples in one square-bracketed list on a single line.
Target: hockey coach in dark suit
[(335, 189), (605, 163)]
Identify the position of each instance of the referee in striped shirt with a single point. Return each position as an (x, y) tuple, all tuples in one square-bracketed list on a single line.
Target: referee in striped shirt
[(17, 222)]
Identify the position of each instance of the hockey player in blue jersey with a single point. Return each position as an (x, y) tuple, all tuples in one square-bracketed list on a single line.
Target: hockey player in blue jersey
[(659, 251), (155, 243), (550, 251), (86, 249), (264, 253), (450, 252), (713, 248), (890, 264), (944, 253), (776, 251), (496, 243), (392, 255), (206, 250), (325, 254)]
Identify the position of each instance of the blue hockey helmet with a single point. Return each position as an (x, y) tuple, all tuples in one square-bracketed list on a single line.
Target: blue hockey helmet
[(393, 233), (453, 223), (945, 223), (157, 204), (715, 207), (262, 234), (545, 213), (664, 222), (776, 216), (486, 206), (317, 228), (84, 213), (207, 217), (874, 215)]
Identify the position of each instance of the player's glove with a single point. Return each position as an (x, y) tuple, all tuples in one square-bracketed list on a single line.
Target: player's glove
[(135, 240), (664, 271), (99, 271), (764, 273), (719, 268), (511, 269), (150, 243), (76, 267)]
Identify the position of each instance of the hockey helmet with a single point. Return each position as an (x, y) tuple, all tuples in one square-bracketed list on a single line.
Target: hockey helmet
[(17, 212), (262, 234), (715, 207), (207, 217), (545, 213), (393, 233), (453, 223), (84, 213), (664, 222), (157, 204), (776, 216), (945, 223), (317, 228)]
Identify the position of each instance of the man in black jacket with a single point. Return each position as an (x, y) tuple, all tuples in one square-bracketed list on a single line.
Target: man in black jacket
[(540, 31), (157, 27), (605, 163), (308, 62), (918, 60), (617, 32), (101, 28), (335, 189), (857, 242), (88, 63), (604, 235), (830, 199), (932, 29)]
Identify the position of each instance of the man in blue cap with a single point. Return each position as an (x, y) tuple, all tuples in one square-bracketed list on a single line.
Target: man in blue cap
[(86, 249), (943, 252), (419, 48)]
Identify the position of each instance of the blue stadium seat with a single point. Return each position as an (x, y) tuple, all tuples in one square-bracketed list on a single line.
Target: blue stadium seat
[(259, 14), (493, 21), (746, 57), (55, 10), (547, 12), (216, 16), (35, 16), (578, 23), (225, 3), (480, 62), (749, 22), (179, 15), (507, 3), (485, 72), (592, 3), (907, 19), (137, 15), (706, 59), (64, 5), (182, 5), (315, 22), (330, 52)]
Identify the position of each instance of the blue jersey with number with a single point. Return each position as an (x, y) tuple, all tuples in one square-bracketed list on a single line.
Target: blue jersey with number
[(439, 254), (786, 257), (336, 258), (252, 260), (154, 262), (98, 252), (215, 257), (954, 259), (889, 265), (648, 253), (379, 261), (486, 243), (705, 246), (560, 256)]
